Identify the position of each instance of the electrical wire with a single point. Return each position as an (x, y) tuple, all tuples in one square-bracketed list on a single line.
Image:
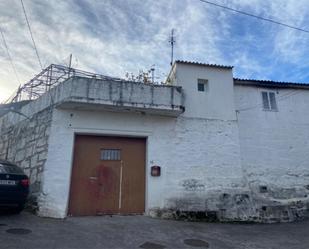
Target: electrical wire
[(255, 16), (284, 96), (9, 55), (280, 98), (34, 45)]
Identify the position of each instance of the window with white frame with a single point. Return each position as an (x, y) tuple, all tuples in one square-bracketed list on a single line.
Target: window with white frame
[(269, 101)]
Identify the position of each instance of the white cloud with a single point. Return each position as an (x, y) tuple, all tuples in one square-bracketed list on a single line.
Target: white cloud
[(112, 37)]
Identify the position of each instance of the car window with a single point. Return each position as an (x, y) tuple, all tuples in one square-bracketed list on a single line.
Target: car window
[(10, 169)]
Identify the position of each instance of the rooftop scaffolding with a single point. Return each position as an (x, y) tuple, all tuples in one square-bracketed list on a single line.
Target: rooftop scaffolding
[(49, 78)]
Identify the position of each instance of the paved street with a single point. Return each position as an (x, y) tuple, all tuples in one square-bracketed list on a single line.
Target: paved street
[(145, 232)]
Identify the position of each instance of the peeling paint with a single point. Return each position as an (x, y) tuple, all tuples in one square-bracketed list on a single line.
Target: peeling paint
[(192, 185)]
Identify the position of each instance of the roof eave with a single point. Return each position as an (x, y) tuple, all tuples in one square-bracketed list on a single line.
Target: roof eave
[(202, 64), (270, 84)]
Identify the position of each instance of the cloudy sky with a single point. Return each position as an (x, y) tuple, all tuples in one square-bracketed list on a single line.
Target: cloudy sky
[(113, 37)]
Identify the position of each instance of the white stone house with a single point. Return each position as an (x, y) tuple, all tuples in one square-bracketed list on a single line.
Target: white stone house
[(227, 149)]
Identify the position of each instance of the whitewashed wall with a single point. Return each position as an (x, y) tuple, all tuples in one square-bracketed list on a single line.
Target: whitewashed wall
[(188, 150), (217, 102), (275, 144), (198, 151), (224, 155)]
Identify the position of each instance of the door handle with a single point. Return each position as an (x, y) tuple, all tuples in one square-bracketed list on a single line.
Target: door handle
[(93, 178)]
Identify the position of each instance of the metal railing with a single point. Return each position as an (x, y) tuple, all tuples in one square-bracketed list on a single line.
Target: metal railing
[(49, 78)]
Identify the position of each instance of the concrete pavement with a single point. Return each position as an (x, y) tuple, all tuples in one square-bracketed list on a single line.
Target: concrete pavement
[(144, 232)]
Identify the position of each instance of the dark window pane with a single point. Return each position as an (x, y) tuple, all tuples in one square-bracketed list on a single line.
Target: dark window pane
[(110, 154), (265, 101), (200, 87), (272, 100)]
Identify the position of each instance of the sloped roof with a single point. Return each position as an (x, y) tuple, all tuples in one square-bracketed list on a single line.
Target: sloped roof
[(248, 82), (203, 64), (271, 83)]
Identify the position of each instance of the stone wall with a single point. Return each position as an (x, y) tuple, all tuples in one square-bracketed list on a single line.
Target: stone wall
[(26, 143)]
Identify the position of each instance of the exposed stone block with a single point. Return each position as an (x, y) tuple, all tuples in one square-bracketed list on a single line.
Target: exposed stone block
[(42, 155), (27, 143), (41, 142), (263, 189), (20, 155)]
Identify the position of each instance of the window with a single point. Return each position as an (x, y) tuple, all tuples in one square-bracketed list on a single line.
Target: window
[(110, 154), (269, 101), (201, 85)]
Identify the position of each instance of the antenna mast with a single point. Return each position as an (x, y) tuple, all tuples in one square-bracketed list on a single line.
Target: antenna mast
[(70, 64), (172, 42), (70, 61), (152, 70)]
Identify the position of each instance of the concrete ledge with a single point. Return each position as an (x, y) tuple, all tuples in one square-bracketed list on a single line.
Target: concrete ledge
[(93, 94)]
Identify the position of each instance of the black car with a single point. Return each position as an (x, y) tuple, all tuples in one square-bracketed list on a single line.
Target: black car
[(14, 186)]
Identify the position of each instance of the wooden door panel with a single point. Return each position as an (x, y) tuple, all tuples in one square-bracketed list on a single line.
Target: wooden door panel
[(108, 182), (84, 190), (100, 186), (134, 177)]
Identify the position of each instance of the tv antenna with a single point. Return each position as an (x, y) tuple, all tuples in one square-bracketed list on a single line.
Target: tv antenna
[(172, 42), (152, 70)]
